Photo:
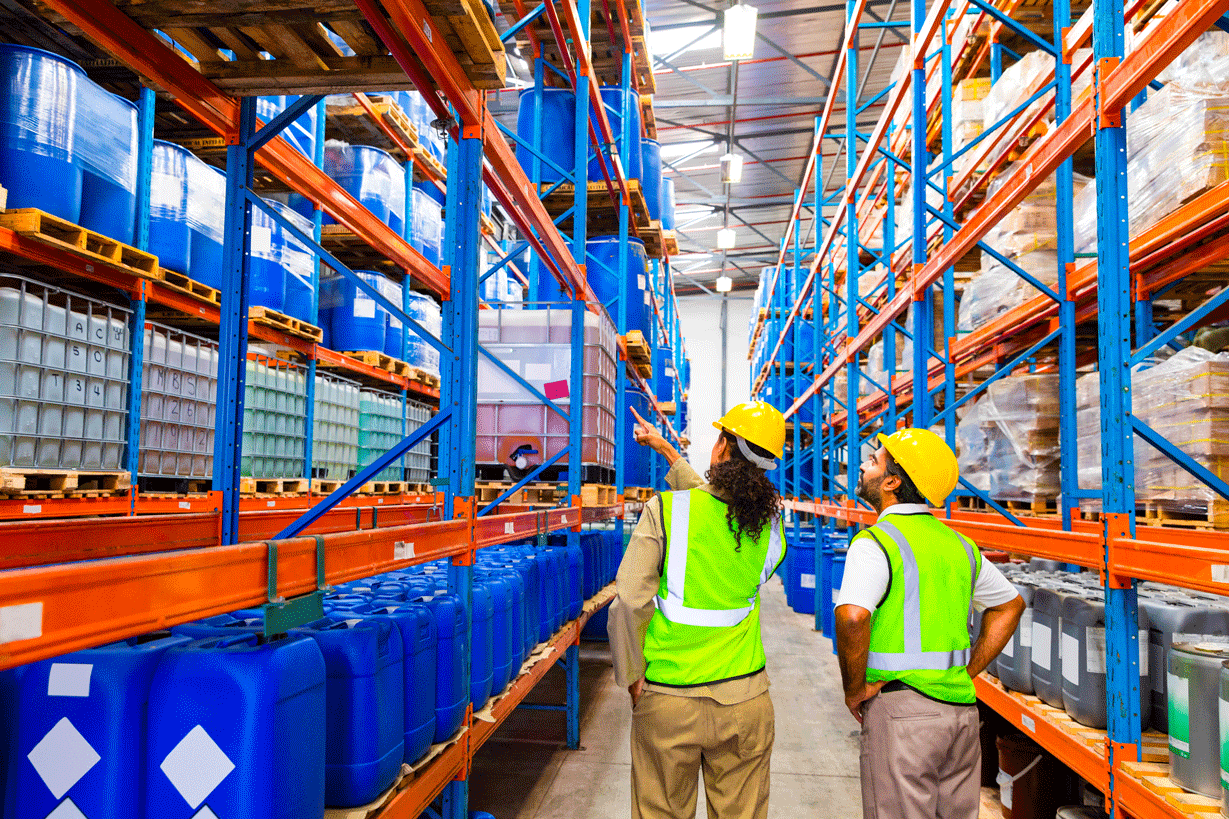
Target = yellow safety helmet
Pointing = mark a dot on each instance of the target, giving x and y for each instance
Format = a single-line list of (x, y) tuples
[(759, 423), (927, 460)]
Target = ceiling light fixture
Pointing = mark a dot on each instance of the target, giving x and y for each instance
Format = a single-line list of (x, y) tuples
[(724, 284), (726, 239), (738, 32), (731, 168)]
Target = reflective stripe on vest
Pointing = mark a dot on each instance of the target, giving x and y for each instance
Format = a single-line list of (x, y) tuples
[(672, 606), (913, 658)]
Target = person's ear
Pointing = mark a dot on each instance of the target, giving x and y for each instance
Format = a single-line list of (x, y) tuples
[(890, 483)]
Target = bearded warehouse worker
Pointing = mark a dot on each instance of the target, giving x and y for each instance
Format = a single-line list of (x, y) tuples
[(685, 625), (902, 636)]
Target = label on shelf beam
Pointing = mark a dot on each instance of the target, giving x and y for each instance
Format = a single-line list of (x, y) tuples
[(1029, 723), (21, 622), (32, 509), (509, 527), (1220, 573), (403, 550)]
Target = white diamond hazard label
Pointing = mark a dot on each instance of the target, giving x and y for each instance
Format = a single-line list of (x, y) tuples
[(66, 810), (196, 766), (205, 813), (62, 757)]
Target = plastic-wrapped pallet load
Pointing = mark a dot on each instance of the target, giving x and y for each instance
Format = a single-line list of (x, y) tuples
[(274, 419), (1088, 428), (1013, 89), (1186, 405), (335, 426), (968, 118), (1009, 439)]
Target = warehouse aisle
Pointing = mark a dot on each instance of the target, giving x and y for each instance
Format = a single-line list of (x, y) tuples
[(524, 772)]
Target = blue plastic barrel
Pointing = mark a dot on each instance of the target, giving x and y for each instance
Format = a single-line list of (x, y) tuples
[(667, 203), (482, 656), (365, 691), (801, 590), (614, 98), (266, 276), (636, 458), (38, 160), (356, 321), (427, 226), (237, 724), (434, 191), (605, 277), (558, 132), (370, 175), (77, 729), (426, 312), (301, 134), (298, 265), (206, 217), (651, 175), (395, 332), (451, 690), (169, 235), (106, 147), (663, 374), (416, 625)]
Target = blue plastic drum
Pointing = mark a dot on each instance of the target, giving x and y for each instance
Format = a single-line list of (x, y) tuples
[(667, 203), (356, 321), (651, 176), (266, 276), (38, 160), (427, 225), (605, 278), (169, 235), (419, 353), (557, 139), (614, 97), (395, 334), (299, 267), (106, 146), (206, 216)]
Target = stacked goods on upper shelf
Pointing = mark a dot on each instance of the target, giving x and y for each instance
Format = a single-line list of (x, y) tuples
[(968, 119), (515, 429), (1028, 236), (355, 322), (1009, 439)]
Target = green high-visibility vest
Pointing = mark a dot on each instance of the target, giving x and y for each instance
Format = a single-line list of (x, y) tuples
[(920, 632), (706, 627)]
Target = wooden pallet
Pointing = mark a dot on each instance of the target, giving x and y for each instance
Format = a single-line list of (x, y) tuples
[(374, 358), (62, 483), (382, 488), (159, 486), (534, 494), (648, 116), (287, 324), (52, 230), (191, 287), (488, 225), (351, 123), (639, 353), (353, 251), (671, 241), (602, 212), (1215, 515), (424, 158), (597, 494), (470, 33), (638, 494), (326, 486), (274, 486), (1155, 777), (654, 244), (421, 376)]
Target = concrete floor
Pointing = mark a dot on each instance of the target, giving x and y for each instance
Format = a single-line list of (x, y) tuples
[(525, 772)]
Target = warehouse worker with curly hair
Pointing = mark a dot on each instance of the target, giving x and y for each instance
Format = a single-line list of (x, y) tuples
[(685, 626)]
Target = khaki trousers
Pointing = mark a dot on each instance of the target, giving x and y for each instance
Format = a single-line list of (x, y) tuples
[(921, 759), (674, 738)]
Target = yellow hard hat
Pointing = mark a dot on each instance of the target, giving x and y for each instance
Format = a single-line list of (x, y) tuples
[(758, 422), (927, 460)]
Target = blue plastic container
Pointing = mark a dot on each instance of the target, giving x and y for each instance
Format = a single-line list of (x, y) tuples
[(237, 724), (78, 729), (418, 352), (516, 626), (801, 589), (206, 217), (218, 625), (416, 625), (427, 224), (451, 691), (651, 175), (482, 647), (558, 138), (527, 566), (298, 263), (356, 321), (667, 203), (106, 148), (266, 276), (301, 134), (169, 235), (663, 374), (503, 653), (434, 192), (38, 160), (574, 579), (370, 175), (605, 278), (394, 334), (365, 692), (614, 98)]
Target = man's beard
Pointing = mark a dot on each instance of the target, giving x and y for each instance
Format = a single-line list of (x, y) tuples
[(867, 492)]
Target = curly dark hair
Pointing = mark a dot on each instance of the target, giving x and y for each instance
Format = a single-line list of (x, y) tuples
[(751, 499)]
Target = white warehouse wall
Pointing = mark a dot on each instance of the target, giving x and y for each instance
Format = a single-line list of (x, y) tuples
[(700, 320)]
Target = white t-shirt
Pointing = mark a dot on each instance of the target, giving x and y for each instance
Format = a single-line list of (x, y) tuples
[(867, 572)]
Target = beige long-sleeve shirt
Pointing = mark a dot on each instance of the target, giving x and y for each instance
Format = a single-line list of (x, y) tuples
[(637, 584)]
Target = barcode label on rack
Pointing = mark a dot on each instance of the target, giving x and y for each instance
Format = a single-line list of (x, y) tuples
[(185, 505), (32, 509), (1220, 573), (21, 622), (1029, 723), (403, 550), (509, 528)]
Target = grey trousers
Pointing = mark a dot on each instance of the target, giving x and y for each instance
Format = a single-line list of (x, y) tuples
[(921, 759)]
